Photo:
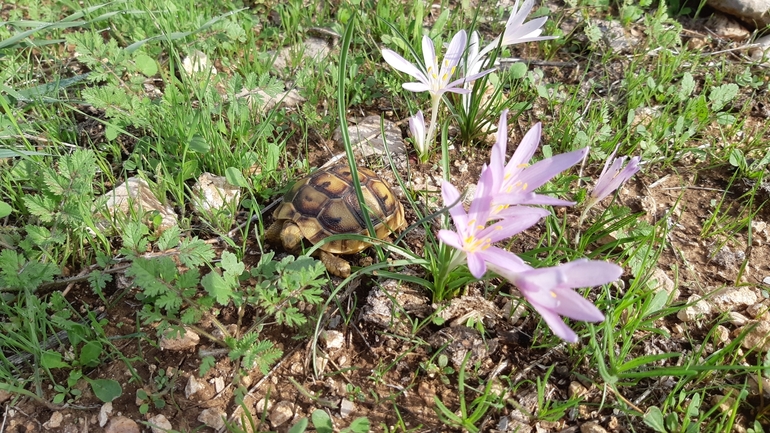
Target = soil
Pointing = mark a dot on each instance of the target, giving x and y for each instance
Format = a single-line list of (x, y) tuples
[(381, 366)]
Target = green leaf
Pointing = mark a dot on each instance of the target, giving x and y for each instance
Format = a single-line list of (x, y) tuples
[(232, 266), (5, 209), (51, 359), (105, 390), (322, 422), (199, 144), (217, 287), (654, 419), (235, 177), (146, 65), (300, 426), (90, 353), (359, 425), (722, 95)]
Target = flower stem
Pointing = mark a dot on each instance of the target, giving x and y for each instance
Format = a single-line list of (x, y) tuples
[(431, 137)]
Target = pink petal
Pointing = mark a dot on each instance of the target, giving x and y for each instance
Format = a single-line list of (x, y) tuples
[(574, 306), (589, 273), (454, 52), (451, 238), (505, 263), (536, 175), (557, 325), (451, 197), (476, 265), (526, 150)]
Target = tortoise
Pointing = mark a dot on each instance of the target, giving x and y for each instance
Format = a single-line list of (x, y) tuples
[(324, 203)]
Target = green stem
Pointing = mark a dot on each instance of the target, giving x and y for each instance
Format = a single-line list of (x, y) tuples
[(431, 137)]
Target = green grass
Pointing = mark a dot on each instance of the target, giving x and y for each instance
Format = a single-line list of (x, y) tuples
[(94, 93)]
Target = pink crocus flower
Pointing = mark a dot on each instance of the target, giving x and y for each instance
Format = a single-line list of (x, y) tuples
[(550, 291), (519, 179), (478, 229), (613, 176)]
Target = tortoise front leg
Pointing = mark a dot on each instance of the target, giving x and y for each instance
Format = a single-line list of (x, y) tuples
[(335, 265)]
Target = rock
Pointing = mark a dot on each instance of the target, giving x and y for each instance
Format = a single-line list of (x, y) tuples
[(727, 28), (659, 280), (282, 412), (197, 63), (261, 101), (722, 334), (175, 342), (159, 424), (193, 386), (614, 35), (55, 421), (4, 395), (755, 12), (213, 197), (469, 307), (737, 319), (366, 137), (313, 51), (379, 308), (121, 424), (346, 408), (104, 414), (699, 308), (758, 310), (260, 406), (592, 427), (758, 337), (134, 197), (219, 384), (333, 339), (766, 281), (732, 298), (213, 417), (577, 390)]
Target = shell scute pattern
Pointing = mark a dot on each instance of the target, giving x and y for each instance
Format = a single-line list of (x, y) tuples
[(325, 203)]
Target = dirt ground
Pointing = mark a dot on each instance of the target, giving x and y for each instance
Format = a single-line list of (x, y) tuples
[(374, 364)]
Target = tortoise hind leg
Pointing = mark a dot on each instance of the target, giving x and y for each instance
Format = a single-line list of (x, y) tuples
[(273, 233), (335, 265)]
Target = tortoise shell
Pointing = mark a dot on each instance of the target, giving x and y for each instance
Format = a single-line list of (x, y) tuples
[(325, 203)]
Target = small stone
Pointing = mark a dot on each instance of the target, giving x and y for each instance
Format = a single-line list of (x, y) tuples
[(727, 27), (198, 63), (366, 137), (577, 390), (282, 412), (213, 196), (333, 339), (219, 384), (698, 309), (4, 395), (346, 408), (751, 11), (260, 406), (766, 280), (159, 424), (758, 336), (104, 414), (734, 297), (193, 386), (737, 319), (659, 280), (758, 310), (213, 417), (175, 342), (724, 403), (55, 421), (592, 427), (722, 334), (134, 197), (121, 424)]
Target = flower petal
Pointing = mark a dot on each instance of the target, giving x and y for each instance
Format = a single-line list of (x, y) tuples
[(505, 263), (557, 325), (589, 273), (574, 306), (416, 87), (536, 175), (476, 265), (401, 64), (451, 238)]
